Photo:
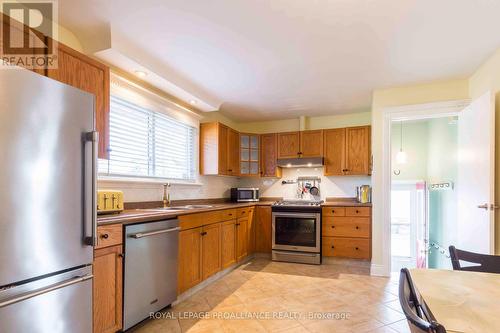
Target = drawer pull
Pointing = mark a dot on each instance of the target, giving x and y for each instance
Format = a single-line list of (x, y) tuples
[(243, 212), (333, 247), (333, 227), (357, 248), (237, 224), (357, 227), (230, 214), (104, 236), (333, 211), (357, 211)]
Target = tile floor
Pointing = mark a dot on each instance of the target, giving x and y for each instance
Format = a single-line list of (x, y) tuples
[(266, 296)]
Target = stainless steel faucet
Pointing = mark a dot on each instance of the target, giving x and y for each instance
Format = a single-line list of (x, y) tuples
[(166, 195)]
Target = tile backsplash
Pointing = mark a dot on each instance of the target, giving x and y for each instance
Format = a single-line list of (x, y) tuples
[(211, 187)]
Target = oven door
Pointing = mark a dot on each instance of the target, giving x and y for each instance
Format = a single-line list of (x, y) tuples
[(296, 231)]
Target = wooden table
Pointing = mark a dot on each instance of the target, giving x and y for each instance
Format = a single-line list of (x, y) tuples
[(461, 301)]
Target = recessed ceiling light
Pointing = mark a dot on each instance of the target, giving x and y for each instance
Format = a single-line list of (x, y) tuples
[(141, 73), (193, 102)]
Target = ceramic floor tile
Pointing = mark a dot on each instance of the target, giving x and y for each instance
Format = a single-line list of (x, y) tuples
[(400, 326), (339, 297)]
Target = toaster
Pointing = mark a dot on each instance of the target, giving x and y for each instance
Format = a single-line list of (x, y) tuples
[(109, 201)]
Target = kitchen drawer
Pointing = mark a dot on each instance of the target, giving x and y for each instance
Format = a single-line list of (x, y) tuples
[(191, 221), (355, 248), (358, 211), (228, 214), (109, 235), (244, 212), (333, 211), (346, 226)]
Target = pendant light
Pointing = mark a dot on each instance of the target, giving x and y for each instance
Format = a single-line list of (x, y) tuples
[(401, 155)]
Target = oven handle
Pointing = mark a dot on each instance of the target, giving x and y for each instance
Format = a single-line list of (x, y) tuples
[(284, 214), (298, 253)]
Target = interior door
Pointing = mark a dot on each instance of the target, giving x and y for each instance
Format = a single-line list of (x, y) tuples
[(476, 176)]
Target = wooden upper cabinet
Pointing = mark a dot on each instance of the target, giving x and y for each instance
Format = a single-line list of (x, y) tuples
[(249, 154), (211, 247), (223, 150), (219, 150), (107, 289), (233, 151), (269, 155), (311, 143), (358, 150), (347, 151), (87, 74), (334, 140), (288, 145)]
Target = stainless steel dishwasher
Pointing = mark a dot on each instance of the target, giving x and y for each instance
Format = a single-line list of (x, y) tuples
[(150, 277)]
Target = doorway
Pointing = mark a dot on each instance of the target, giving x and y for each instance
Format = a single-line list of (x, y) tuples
[(473, 186)]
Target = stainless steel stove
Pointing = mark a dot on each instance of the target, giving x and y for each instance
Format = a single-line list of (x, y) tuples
[(297, 231)]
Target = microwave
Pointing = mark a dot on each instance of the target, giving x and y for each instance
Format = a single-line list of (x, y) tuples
[(244, 194)]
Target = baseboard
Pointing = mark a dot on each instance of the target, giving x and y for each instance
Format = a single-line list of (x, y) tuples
[(379, 270)]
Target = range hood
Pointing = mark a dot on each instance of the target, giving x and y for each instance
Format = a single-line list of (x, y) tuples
[(305, 162)]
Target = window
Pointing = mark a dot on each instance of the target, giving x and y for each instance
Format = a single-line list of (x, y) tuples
[(145, 143)]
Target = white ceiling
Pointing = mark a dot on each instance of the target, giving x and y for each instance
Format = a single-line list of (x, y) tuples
[(279, 59)]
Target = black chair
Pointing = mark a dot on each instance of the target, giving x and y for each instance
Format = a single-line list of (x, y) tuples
[(418, 315), (484, 262)]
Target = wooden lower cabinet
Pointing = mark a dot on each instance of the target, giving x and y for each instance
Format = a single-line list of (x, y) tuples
[(251, 230), (107, 289), (190, 262), (228, 252), (241, 238), (211, 249), (263, 229), (346, 232)]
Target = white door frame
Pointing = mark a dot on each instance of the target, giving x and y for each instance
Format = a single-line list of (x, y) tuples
[(390, 114)]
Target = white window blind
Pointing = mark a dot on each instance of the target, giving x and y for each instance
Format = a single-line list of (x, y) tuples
[(145, 143)]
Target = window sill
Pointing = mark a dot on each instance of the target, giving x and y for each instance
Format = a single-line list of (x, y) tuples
[(124, 179)]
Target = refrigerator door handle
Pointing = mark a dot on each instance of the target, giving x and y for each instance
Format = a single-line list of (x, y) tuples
[(92, 137), (45, 290)]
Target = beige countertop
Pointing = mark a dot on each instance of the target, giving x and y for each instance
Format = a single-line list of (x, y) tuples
[(461, 301), (130, 216)]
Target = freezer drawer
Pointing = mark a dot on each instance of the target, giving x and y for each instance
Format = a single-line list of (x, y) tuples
[(150, 282), (60, 303)]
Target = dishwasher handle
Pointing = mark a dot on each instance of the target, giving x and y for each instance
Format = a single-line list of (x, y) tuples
[(152, 233)]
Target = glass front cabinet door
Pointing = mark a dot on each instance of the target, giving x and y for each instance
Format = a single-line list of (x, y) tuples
[(249, 154)]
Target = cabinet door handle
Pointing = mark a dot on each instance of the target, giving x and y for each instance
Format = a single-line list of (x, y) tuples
[(237, 224), (104, 236), (203, 233), (120, 255), (357, 248), (333, 247), (333, 227), (357, 211), (357, 227)]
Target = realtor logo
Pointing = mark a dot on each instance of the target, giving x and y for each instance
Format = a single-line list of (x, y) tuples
[(29, 34)]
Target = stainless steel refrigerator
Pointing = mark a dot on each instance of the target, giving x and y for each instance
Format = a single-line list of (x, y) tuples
[(47, 204)]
